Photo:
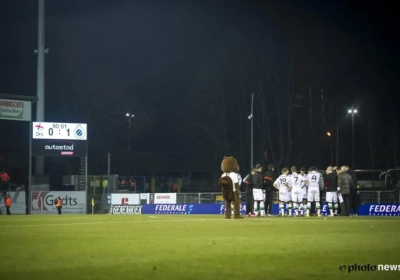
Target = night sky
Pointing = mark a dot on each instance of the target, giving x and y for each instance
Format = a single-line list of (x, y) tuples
[(107, 58)]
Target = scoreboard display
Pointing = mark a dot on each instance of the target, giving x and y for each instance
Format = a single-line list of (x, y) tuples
[(59, 131), (59, 139)]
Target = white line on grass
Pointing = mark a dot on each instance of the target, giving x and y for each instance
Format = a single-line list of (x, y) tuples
[(171, 220), (114, 222)]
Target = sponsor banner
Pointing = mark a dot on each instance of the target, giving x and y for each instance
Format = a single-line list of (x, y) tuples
[(165, 198), (126, 209), (363, 210), (187, 209), (68, 148), (125, 199), (143, 196), (15, 110), (43, 202), (18, 205), (379, 209)]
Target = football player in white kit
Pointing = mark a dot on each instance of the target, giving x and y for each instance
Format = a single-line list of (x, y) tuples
[(303, 204), (281, 184), (296, 183), (315, 183)]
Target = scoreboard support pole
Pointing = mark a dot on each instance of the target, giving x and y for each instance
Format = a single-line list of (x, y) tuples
[(30, 170)]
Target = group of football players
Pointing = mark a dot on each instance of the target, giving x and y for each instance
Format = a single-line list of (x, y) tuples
[(296, 192), (299, 190)]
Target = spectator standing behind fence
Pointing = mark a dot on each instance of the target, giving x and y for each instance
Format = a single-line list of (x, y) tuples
[(344, 185), (8, 204), (59, 205), (4, 180)]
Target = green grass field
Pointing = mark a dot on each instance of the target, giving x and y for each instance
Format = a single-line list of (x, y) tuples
[(195, 247)]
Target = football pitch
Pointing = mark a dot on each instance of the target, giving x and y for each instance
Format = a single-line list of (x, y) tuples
[(197, 247)]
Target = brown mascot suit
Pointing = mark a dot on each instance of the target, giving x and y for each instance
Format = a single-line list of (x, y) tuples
[(230, 183)]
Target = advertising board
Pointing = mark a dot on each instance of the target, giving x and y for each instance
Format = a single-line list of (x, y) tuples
[(15, 110), (163, 198), (18, 206), (125, 199), (187, 209), (126, 209), (215, 209), (67, 148), (379, 210), (43, 202)]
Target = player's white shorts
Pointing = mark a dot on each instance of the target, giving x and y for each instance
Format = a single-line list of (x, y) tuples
[(258, 195), (313, 194), (331, 197), (284, 196), (297, 195), (264, 194), (304, 191)]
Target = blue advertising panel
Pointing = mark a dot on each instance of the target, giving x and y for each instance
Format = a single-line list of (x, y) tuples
[(215, 209), (379, 210), (187, 209)]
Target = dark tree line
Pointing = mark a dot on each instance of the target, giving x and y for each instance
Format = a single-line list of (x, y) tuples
[(292, 114)]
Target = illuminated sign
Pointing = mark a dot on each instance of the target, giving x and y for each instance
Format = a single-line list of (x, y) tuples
[(59, 131)]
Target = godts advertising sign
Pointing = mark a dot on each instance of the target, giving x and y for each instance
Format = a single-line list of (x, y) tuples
[(15, 110), (44, 202)]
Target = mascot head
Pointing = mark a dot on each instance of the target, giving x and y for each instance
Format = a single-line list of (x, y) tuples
[(229, 164)]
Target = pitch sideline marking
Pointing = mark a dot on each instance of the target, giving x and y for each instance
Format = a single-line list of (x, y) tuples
[(152, 221)]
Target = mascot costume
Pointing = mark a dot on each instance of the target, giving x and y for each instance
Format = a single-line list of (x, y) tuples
[(230, 182)]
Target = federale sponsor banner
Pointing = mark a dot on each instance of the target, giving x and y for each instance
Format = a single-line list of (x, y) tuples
[(379, 210), (186, 209), (363, 210), (165, 198), (215, 209), (125, 199), (18, 206), (15, 110), (126, 209), (43, 202)]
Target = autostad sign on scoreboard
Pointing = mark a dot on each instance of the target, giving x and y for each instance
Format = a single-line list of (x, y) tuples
[(46, 147)]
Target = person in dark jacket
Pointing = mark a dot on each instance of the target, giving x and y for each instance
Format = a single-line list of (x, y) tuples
[(344, 186), (248, 180), (338, 170), (268, 181), (354, 199), (331, 191), (258, 195)]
